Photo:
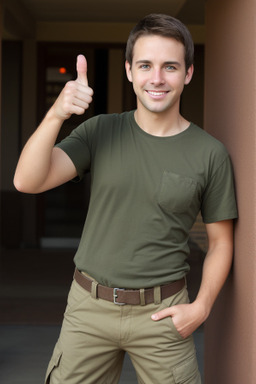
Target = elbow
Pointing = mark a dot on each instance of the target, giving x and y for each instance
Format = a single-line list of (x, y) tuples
[(21, 186), (17, 183)]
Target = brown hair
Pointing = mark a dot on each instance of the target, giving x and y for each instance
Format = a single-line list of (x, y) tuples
[(163, 25)]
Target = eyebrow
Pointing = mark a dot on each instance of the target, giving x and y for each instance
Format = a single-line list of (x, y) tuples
[(165, 63)]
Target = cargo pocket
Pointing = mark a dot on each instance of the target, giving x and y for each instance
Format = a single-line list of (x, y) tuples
[(187, 372), (53, 371)]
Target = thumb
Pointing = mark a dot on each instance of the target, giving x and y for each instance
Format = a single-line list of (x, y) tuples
[(162, 314), (81, 68)]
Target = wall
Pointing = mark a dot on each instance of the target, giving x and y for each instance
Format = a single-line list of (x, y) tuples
[(97, 32), (230, 115), (1, 23), (10, 140)]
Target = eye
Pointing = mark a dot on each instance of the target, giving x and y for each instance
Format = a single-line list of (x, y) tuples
[(144, 66), (170, 68)]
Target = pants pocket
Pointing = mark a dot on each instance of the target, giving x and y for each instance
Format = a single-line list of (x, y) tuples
[(77, 297), (53, 370), (179, 298), (174, 329), (187, 372)]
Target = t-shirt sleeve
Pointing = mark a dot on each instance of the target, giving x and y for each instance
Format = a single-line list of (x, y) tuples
[(219, 202), (77, 147)]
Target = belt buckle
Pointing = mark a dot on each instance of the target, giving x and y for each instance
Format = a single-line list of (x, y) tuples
[(115, 296)]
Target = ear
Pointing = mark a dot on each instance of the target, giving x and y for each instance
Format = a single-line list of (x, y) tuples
[(128, 71), (189, 74)]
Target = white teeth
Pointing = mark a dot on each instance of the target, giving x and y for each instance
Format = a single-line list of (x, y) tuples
[(156, 93)]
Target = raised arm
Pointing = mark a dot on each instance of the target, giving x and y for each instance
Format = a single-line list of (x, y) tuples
[(188, 317), (41, 166)]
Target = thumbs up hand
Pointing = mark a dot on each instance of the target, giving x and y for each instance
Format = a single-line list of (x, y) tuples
[(76, 96)]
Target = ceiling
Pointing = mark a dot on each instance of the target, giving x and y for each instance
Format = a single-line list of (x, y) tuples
[(189, 11)]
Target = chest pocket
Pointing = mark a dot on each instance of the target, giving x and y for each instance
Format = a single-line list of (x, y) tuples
[(176, 192)]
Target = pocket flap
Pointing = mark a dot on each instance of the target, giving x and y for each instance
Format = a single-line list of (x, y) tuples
[(186, 370), (54, 362)]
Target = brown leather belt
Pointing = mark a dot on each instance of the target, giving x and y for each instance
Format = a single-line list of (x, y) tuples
[(127, 296)]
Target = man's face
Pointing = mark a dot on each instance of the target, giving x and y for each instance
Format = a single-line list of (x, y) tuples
[(158, 73)]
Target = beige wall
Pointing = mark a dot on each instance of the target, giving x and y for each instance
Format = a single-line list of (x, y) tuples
[(230, 115)]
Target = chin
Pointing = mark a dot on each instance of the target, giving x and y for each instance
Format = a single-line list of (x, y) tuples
[(159, 110)]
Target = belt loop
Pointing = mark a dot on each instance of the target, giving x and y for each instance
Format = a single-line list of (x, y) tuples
[(94, 290), (142, 296), (157, 295)]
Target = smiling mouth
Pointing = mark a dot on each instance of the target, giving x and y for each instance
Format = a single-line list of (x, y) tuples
[(157, 93)]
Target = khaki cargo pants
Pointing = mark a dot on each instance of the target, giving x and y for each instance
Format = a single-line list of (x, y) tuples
[(96, 334)]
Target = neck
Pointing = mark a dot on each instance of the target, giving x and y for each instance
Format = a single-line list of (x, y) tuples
[(160, 124)]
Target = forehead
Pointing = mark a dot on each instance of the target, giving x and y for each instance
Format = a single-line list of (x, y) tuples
[(152, 47)]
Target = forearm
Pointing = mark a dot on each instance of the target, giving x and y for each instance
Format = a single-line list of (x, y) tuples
[(215, 271), (35, 160)]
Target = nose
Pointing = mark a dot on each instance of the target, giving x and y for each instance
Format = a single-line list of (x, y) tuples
[(157, 76)]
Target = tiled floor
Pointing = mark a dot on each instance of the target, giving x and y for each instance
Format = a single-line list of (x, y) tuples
[(25, 352)]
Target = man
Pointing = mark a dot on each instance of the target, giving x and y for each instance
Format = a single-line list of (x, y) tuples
[(152, 171)]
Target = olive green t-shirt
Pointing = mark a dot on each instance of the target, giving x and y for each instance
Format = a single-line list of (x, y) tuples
[(146, 192)]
